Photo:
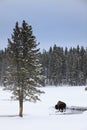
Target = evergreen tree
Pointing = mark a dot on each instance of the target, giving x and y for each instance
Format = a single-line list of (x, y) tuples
[(44, 62), (23, 74), (58, 65), (50, 67), (83, 66), (67, 66), (3, 64), (1, 61)]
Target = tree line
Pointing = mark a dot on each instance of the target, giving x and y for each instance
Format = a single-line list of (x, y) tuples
[(64, 66), (59, 66)]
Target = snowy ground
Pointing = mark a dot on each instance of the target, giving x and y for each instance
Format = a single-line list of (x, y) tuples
[(42, 115)]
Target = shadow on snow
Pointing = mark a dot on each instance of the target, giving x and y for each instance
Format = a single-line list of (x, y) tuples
[(69, 110), (9, 116)]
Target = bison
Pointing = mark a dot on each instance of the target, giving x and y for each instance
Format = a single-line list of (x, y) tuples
[(86, 88), (61, 106)]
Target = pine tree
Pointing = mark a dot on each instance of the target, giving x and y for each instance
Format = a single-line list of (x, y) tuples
[(3, 64), (23, 74), (67, 66)]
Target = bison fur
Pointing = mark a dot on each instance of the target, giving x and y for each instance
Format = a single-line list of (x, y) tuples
[(61, 106)]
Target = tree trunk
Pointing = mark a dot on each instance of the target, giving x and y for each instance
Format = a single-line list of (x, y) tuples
[(21, 108)]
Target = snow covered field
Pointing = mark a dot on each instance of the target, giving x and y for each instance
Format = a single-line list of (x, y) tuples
[(42, 115)]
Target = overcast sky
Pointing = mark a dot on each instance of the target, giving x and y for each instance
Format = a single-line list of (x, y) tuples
[(61, 22)]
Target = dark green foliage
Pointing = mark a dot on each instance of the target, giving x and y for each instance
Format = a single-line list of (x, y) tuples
[(60, 66), (3, 65), (23, 74), (65, 66)]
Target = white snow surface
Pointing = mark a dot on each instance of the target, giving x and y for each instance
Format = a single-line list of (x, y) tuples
[(42, 115)]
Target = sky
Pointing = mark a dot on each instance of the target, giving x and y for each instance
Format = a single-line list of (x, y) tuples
[(60, 22)]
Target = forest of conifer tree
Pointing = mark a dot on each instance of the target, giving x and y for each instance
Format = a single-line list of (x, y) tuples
[(60, 66), (64, 66)]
